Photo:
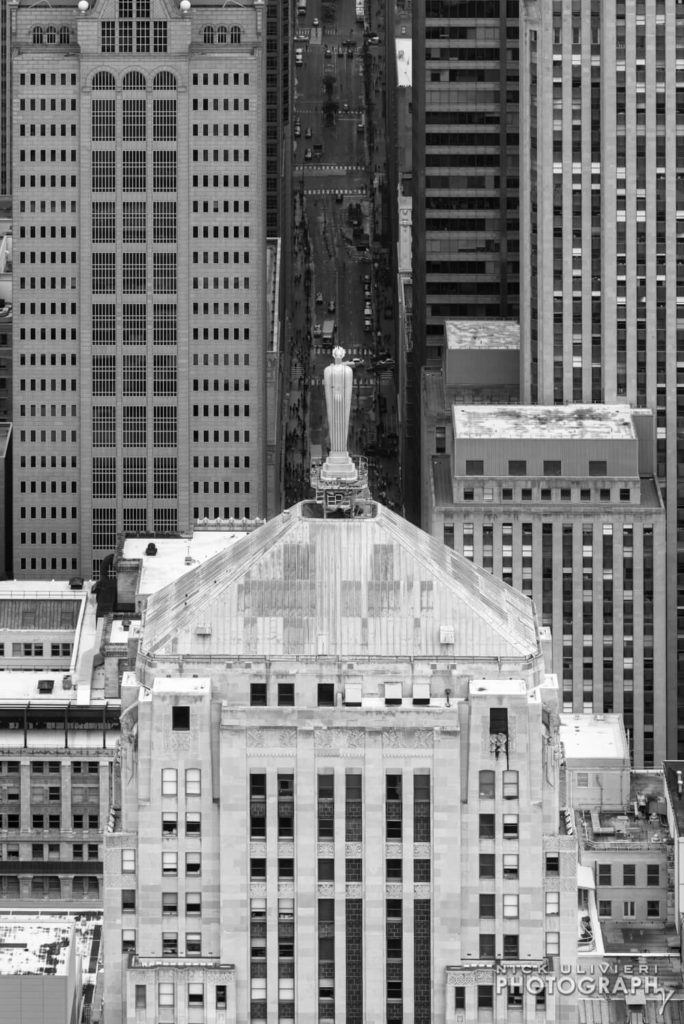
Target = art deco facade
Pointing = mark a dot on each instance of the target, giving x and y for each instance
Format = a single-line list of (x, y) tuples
[(139, 273), (602, 277), (561, 503), (340, 787)]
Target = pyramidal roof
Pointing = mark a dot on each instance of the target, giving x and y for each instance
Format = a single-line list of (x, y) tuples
[(372, 586)]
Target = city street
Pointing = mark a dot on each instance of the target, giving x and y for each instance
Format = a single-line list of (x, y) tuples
[(337, 262)]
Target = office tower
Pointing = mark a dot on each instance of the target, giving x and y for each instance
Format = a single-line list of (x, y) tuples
[(465, 174), (279, 28), (562, 503), (139, 273), (339, 786), (601, 269), (6, 10)]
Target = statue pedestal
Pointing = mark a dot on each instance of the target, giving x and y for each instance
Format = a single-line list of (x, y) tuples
[(339, 466)]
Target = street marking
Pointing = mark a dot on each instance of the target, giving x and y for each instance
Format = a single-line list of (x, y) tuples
[(335, 191), (325, 168)]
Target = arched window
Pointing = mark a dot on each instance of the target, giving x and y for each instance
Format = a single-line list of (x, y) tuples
[(164, 80), (64, 35), (235, 34), (103, 80), (222, 34), (134, 80), (208, 34), (37, 34), (51, 34)]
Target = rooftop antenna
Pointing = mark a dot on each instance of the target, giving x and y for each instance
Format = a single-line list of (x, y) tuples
[(340, 482)]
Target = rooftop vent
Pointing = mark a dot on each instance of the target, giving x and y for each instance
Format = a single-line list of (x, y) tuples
[(46, 685), (353, 695), (125, 625), (421, 693), (392, 694), (76, 583), (67, 682), (151, 549), (203, 630)]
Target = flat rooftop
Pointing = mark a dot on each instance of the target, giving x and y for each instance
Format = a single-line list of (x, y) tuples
[(494, 334), (35, 947), (175, 555), (597, 740), (494, 687), (542, 422), (404, 47)]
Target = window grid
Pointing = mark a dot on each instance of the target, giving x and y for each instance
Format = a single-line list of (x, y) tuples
[(104, 323), (134, 375), (135, 477), (134, 426), (165, 477), (134, 228)]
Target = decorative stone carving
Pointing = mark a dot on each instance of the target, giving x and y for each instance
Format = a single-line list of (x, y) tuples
[(394, 851), (405, 739), (470, 977), (332, 740), (257, 849), (394, 890), (421, 890), (285, 849), (353, 850), (421, 851), (271, 738), (286, 888), (176, 742), (326, 849), (326, 890), (257, 889), (354, 890)]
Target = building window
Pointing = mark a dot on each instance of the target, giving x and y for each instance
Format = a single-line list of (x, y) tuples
[(169, 903), (487, 949), (652, 908), (459, 997), (604, 874), (169, 823), (487, 784), (141, 997), (127, 861), (393, 806), (629, 874), (598, 467), (486, 826), (487, 865), (193, 782), (552, 943), (474, 467), (553, 903), (510, 826), (104, 171), (128, 940), (552, 467), (193, 823), (487, 905), (653, 874), (510, 785), (440, 440), (169, 864), (628, 909), (169, 778), (511, 947), (221, 997), (510, 865), (510, 905), (605, 908), (166, 993), (485, 997), (582, 779), (517, 467)]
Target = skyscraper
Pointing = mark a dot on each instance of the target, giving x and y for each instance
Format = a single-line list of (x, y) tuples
[(602, 274), (139, 273), (465, 174)]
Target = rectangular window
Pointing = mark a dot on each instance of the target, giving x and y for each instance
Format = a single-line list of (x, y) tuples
[(487, 906), (169, 903), (629, 874), (164, 423), (459, 997), (553, 903), (104, 222), (511, 947), (134, 323), (474, 467), (164, 324), (134, 222), (164, 119), (134, 375), (141, 997), (169, 823), (628, 909), (487, 784), (166, 994), (193, 823), (164, 264), (510, 904), (127, 861), (103, 276), (652, 908), (487, 865), (128, 940), (421, 807), (605, 908), (193, 782), (487, 950), (170, 863), (510, 865), (510, 785), (510, 826), (104, 323), (552, 943), (164, 222), (485, 997), (598, 467), (653, 874), (134, 170), (134, 276), (164, 170), (552, 467), (393, 806), (517, 467), (169, 784), (134, 120), (104, 375), (104, 171), (486, 826)]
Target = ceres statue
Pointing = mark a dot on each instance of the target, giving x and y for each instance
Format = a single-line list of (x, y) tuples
[(339, 380)]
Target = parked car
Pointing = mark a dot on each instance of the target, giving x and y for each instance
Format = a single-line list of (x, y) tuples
[(331, 306), (299, 57), (368, 324), (319, 298), (307, 133), (368, 309), (316, 23), (327, 52), (317, 331), (297, 130), (366, 279), (308, 155)]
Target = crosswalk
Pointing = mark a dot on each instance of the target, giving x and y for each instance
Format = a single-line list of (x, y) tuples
[(350, 353), (335, 191), (329, 168)]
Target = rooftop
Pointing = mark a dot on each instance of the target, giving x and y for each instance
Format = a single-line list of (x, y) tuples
[(404, 47), (674, 783), (175, 556), (306, 586), (544, 421), (493, 334), (35, 947), (622, 831), (593, 740)]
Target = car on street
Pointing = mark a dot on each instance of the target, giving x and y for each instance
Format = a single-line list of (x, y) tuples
[(297, 129), (368, 309), (319, 298), (327, 52), (317, 330), (368, 324), (315, 23), (366, 291), (374, 39), (307, 133), (331, 306), (366, 279), (299, 56), (308, 155)]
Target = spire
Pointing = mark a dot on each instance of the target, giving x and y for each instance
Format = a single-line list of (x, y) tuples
[(339, 380)]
